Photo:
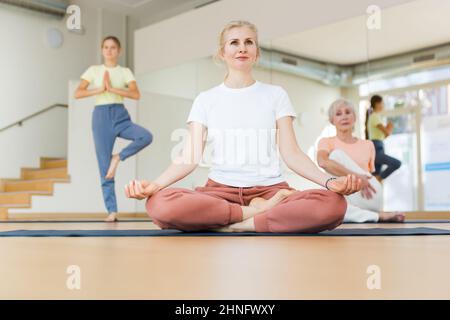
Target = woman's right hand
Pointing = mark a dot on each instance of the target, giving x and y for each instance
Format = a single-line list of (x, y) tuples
[(105, 81), (367, 190), (141, 189)]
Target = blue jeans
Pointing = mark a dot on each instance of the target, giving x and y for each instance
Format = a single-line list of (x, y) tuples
[(110, 121), (382, 158)]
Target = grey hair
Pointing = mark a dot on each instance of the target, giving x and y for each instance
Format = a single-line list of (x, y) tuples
[(336, 104)]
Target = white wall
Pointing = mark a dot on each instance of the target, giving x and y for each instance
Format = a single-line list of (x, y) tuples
[(44, 135), (35, 76), (113, 23), (83, 194), (168, 98)]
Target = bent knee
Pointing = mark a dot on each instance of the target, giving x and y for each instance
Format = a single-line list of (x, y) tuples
[(147, 138), (162, 207), (334, 207)]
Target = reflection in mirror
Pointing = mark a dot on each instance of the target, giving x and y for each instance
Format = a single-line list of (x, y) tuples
[(410, 70), (376, 53), (372, 53)]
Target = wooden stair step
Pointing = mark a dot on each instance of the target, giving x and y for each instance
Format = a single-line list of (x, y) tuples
[(3, 213), (52, 158), (7, 206), (33, 173), (43, 169), (29, 185), (26, 192), (53, 163), (23, 198), (15, 198), (54, 180), (32, 184)]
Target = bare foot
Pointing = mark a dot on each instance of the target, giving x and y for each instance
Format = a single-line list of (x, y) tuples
[(391, 217), (115, 159), (224, 229), (256, 206), (243, 226), (112, 217), (263, 204)]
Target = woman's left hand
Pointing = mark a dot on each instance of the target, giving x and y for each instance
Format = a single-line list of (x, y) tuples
[(345, 185)]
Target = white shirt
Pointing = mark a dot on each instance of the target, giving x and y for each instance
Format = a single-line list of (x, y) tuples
[(241, 127)]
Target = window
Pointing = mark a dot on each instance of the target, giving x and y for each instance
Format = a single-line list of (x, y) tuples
[(421, 119)]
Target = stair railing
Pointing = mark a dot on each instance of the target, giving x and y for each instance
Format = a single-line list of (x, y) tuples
[(21, 121)]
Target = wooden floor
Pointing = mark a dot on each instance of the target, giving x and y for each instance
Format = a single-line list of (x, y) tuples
[(412, 267)]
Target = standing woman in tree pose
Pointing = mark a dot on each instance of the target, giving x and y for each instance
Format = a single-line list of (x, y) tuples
[(111, 84), (245, 190), (377, 131)]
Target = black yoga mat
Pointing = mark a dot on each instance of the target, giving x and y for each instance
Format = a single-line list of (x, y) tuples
[(149, 220), (74, 221), (177, 233), (407, 221)]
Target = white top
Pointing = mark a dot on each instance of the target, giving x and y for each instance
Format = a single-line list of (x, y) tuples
[(242, 132)]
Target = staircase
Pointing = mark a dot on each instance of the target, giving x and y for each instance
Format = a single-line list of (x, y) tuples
[(18, 193)]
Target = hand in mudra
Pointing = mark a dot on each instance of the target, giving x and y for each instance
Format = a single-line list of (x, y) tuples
[(102, 88), (345, 185), (107, 81), (141, 189)]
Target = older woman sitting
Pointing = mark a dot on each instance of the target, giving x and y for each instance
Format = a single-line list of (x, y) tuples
[(345, 154)]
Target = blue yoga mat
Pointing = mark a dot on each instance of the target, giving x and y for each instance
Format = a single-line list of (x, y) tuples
[(177, 233)]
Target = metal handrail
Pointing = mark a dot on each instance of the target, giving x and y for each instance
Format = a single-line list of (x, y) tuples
[(20, 122)]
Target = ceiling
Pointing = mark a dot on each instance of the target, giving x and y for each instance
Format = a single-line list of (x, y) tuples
[(151, 11), (404, 28), (132, 3)]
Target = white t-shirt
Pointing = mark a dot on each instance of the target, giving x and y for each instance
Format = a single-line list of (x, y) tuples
[(242, 132)]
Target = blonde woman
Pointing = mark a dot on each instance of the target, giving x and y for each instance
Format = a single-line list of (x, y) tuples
[(245, 191)]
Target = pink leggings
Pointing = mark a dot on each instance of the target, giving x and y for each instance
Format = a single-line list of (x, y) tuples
[(216, 205)]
